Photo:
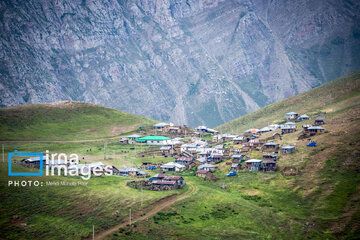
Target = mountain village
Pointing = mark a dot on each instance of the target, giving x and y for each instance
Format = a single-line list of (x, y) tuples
[(281, 171), (203, 151)]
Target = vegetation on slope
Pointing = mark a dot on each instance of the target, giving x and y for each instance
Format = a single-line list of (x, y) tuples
[(66, 121), (321, 201), (309, 102), (66, 211)]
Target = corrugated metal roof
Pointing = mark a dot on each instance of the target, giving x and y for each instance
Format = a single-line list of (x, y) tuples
[(288, 127), (153, 138), (271, 144), (34, 159), (206, 165), (239, 138), (160, 175), (268, 161), (287, 147), (183, 158), (253, 161), (172, 165), (134, 136), (316, 128), (165, 148), (201, 159), (162, 124)]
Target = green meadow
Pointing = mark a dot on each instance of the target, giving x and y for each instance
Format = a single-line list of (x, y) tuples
[(66, 212), (67, 121)]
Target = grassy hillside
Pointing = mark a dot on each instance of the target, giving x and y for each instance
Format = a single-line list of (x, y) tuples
[(318, 99), (66, 121), (321, 201), (66, 211)]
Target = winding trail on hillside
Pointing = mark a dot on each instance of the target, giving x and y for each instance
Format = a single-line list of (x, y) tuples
[(152, 210)]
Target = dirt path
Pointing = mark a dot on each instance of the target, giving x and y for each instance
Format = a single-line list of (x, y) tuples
[(150, 211)]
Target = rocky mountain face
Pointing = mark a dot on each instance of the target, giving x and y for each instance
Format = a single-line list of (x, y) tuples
[(184, 61)]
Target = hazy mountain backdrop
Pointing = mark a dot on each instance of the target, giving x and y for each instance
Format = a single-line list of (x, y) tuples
[(185, 61)]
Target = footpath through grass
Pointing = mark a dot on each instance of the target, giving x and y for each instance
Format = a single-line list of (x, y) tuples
[(66, 212)]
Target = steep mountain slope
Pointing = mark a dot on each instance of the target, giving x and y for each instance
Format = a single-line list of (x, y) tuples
[(185, 61), (66, 121), (340, 94)]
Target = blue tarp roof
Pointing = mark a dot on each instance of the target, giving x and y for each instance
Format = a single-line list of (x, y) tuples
[(312, 144)]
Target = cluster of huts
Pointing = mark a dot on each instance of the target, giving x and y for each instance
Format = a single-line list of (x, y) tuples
[(196, 153), (131, 172), (130, 139), (251, 141), (203, 130), (171, 129), (308, 129), (266, 164), (147, 140), (250, 137), (159, 182)]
